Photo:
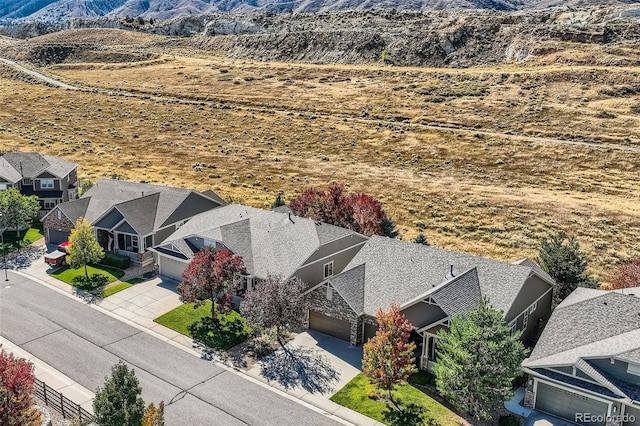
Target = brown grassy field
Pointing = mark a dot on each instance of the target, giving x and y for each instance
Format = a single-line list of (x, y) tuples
[(482, 160)]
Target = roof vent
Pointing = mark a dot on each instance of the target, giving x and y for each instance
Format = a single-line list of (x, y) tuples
[(450, 274)]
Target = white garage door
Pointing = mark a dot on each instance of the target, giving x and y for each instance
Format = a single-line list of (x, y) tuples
[(171, 268)]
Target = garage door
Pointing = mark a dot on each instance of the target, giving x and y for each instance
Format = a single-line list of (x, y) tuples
[(57, 237), (564, 404), (171, 268), (635, 412), (328, 325), (369, 332)]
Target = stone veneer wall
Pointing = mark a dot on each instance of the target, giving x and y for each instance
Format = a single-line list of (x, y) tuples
[(52, 222), (336, 308)]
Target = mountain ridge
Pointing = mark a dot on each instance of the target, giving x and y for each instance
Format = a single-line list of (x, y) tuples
[(58, 11)]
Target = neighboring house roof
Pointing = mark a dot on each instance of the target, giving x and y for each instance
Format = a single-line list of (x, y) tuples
[(7, 172), (144, 206), (33, 164), (282, 209), (588, 324), (269, 242), (400, 271)]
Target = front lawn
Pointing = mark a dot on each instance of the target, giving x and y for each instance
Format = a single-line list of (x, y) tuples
[(355, 395), (184, 319), (67, 274), (28, 236), (111, 290)]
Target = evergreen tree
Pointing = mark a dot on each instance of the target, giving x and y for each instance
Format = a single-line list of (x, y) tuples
[(421, 239), (118, 402), (477, 360), (278, 201)]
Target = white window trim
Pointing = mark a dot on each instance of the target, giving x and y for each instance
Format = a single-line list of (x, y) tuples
[(324, 270), (329, 292), (525, 320), (533, 307), (4, 186), (47, 186), (633, 369), (513, 326)]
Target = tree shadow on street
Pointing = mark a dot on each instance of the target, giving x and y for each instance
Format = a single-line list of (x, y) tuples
[(293, 367)]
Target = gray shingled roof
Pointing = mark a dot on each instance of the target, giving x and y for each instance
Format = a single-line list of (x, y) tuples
[(32, 164), (605, 325), (7, 172), (399, 271), (269, 242), (537, 269), (145, 207), (460, 294), (350, 285)]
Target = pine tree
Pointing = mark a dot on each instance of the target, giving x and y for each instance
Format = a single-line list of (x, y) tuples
[(421, 239), (477, 360), (118, 402)]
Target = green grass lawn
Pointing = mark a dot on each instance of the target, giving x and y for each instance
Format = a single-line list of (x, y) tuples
[(233, 327), (27, 235), (67, 274), (354, 395), (134, 281), (114, 289)]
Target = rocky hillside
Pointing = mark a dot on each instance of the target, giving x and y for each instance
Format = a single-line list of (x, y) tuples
[(59, 11)]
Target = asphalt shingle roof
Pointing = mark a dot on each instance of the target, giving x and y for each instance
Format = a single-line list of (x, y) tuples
[(589, 323), (32, 164), (399, 271), (350, 285), (8, 172), (460, 294), (577, 382), (268, 241), (146, 207)]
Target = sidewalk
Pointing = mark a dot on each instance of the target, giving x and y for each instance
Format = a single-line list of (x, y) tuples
[(129, 310), (53, 378)]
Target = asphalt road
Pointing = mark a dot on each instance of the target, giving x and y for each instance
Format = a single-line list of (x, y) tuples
[(84, 343)]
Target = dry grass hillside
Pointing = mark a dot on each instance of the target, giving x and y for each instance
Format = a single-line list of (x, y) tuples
[(485, 160)]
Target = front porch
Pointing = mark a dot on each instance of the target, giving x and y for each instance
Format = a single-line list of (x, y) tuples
[(125, 245)]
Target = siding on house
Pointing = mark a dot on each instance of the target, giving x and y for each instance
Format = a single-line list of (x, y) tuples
[(422, 314), (53, 223), (163, 234), (618, 369), (312, 274), (336, 308)]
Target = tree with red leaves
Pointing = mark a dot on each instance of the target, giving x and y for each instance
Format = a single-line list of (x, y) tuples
[(359, 212), (16, 386), (627, 275), (210, 276), (388, 357), (276, 303)]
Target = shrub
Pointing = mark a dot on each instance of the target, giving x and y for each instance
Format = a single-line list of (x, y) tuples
[(94, 281), (263, 346), (230, 330), (509, 420), (116, 260)]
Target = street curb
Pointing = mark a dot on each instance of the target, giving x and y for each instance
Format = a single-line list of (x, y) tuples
[(237, 372)]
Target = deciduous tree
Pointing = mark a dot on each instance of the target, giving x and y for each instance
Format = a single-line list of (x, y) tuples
[(18, 211), (210, 276), (561, 257), (627, 275), (84, 248), (118, 402), (359, 212), (16, 387), (477, 360), (276, 303), (388, 357), (154, 416)]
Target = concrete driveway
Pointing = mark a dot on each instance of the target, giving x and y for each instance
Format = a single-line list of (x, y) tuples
[(536, 418), (144, 302)]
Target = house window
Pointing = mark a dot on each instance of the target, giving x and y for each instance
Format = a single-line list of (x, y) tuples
[(328, 270), (512, 326), (633, 369), (329, 293), (50, 204), (59, 215), (431, 348), (148, 242), (533, 307), (525, 320), (27, 181), (46, 183), (3, 186), (128, 242)]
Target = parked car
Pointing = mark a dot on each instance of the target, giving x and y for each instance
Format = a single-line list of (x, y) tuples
[(59, 256)]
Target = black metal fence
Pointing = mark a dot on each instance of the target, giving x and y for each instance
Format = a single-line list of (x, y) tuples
[(60, 403)]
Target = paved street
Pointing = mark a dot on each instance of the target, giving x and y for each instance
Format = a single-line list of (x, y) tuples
[(84, 343)]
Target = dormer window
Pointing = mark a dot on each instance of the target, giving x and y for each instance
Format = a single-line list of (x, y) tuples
[(328, 270), (46, 183)]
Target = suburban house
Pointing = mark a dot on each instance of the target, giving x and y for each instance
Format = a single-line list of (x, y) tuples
[(53, 180), (431, 286), (587, 361), (269, 242), (128, 217)]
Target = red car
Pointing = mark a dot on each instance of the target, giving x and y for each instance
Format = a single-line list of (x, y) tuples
[(58, 257)]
